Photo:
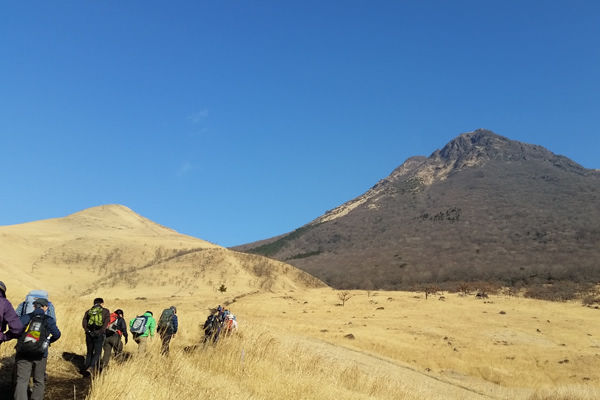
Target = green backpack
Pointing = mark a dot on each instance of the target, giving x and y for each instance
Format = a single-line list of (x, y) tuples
[(165, 323), (95, 317)]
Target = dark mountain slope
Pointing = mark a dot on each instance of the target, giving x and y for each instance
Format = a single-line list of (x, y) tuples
[(482, 208)]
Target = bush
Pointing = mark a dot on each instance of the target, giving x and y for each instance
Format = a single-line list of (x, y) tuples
[(590, 300), (558, 291)]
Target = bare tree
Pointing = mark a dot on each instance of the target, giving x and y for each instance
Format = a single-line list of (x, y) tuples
[(344, 296), (430, 289), (464, 288)]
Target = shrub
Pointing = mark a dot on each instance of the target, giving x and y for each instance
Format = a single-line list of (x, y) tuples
[(344, 296), (558, 291), (590, 300)]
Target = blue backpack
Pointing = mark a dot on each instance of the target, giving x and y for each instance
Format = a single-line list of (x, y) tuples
[(138, 325), (26, 307)]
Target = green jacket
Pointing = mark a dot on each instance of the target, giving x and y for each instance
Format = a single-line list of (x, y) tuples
[(150, 325)]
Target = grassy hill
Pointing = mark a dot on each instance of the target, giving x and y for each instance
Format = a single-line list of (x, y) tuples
[(113, 249)]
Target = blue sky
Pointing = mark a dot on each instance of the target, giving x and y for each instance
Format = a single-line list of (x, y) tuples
[(234, 121)]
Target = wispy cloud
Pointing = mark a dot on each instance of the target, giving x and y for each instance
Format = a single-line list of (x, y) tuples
[(200, 131), (184, 168), (198, 116)]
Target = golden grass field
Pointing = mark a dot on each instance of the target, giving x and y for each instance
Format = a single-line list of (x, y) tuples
[(294, 345), (293, 339)]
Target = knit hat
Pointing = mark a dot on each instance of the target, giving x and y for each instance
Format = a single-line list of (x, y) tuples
[(40, 302)]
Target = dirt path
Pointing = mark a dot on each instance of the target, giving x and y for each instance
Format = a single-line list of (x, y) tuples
[(427, 385)]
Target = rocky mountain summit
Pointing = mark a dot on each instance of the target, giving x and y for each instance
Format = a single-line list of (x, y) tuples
[(483, 207)]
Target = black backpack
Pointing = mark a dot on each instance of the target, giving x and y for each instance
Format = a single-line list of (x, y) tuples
[(34, 341), (212, 325)]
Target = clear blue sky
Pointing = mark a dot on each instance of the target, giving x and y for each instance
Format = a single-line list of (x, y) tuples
[(234, 121)]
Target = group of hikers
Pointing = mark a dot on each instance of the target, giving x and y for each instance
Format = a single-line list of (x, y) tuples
[(220, 321), (104, 330), (33, 324)]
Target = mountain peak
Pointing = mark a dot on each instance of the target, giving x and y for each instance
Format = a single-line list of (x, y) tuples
[(112, 216), (106, 211), (483, 144), (481, 207), (467, 150)]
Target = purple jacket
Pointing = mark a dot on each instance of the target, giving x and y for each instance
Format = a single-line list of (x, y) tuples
[(10, 320)]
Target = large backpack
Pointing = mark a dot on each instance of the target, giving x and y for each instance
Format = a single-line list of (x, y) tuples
[(33, 341), (26, 306), (229, 324), (212, 327), (113, 324), (138, 327), (208, 325), (95, 319), (165, 323)]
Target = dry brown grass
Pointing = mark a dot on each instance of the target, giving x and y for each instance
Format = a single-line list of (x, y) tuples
[(293, 345)]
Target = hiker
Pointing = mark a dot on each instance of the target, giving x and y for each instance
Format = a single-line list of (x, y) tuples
[(142, 327), (8, 318), (27, 306), (116, 328), (212, 327), (167, 327), (95, 320), (230, 325), (32, 350)]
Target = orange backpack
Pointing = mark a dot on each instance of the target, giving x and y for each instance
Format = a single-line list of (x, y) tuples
[(113, 322)]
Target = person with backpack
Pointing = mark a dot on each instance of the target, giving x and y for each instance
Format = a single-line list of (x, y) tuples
[(10, 325), (167, 327), (230, 325), (32, 350), (116, 328), (95, 320), (142, 327), (27, 306), (212, 327)]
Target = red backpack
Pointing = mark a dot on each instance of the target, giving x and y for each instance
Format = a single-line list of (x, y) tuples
[(112, 324)]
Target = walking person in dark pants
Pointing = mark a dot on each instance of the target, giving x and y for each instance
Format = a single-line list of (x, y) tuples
[(112, 344), (167, 328), (32, 350), (95, 320)]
